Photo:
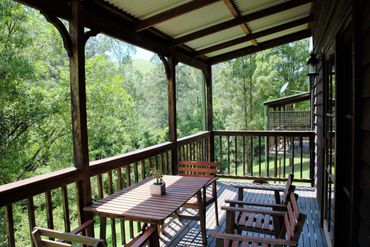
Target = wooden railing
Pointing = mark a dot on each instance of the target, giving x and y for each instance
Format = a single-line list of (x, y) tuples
[(239, 154), (41, 199), (267, 155), (194, 147)]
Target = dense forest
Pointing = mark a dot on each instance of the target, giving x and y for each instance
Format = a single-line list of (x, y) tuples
[(126, 98), (126, 104)]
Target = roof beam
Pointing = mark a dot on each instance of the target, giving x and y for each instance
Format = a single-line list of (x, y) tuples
[(239, 20), (265, 32), (172, 13), (235, 12), (261, 46), (109, 21)]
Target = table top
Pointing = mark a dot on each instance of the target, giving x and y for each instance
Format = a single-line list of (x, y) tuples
[(136, 203)]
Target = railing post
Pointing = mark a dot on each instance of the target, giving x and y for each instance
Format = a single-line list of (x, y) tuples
[(170, 67), (78, 98), (209, 116)]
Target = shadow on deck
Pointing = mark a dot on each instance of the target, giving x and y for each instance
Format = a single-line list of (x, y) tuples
[(187, 233)]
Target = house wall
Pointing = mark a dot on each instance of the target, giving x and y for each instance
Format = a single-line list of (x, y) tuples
[(363, 25), (329, 18)]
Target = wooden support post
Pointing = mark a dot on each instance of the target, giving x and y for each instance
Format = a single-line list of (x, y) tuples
[(170, 67), (79, 118), (209, 116)]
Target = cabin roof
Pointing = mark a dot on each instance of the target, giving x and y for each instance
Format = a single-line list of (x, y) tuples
[(199, 32), (288, 100)]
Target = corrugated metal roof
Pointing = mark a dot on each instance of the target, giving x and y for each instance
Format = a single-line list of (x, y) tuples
[(279, 18), (229, 49), (283, 33), (145, 9), (212, 14), (216, 38), (195, 20)]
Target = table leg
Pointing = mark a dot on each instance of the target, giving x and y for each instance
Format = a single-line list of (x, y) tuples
[(202, 218), (154, 239)]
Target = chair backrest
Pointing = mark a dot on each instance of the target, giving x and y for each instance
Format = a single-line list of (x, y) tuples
[(293, 219), (197, 168), (289, 188), (64, 238)]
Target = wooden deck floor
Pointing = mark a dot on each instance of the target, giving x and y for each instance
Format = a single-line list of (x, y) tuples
[(187, 233)]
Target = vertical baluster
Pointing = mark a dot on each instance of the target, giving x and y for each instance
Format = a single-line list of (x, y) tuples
[(187, 151), (113, 222), (102, 220), (243, 146), (136, 176), (221, 160), (276, 156), (162, 164), (150, 164), (236, 155), (179, 150), (267, 160), (120, 187), (156, 162), (301, 144), (292, 155), (128, 183), (10, 225), (168, 164), (143, 175), (284, 154), (251, 156), (31, 216), (49, 210), (67, 222), (136, 172), (259, 156), (228, 155)]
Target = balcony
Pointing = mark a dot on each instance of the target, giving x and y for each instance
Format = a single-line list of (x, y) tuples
[(240, 155)]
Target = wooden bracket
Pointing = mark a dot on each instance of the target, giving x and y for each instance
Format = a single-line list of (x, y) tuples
[(67, 41), (89, 34)]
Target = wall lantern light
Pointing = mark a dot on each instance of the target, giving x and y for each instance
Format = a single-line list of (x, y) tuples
[(312, 63)]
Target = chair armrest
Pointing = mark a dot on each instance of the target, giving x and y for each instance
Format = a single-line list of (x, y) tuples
[(271, 205), (82, 227), (69, 237), (141, 239), (249, 239), (253, 210), (258, 187)]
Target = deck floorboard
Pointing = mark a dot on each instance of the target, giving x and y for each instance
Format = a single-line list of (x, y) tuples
[(187, 233)]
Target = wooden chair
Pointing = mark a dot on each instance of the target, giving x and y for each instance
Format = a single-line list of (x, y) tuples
[(56, 238), (149, 235), (293, 225), (262, 219), (201, 169)]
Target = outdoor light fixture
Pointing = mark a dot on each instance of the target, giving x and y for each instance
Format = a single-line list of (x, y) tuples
[(312, 63)]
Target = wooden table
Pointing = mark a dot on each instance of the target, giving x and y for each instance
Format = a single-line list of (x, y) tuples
[(137, 204)]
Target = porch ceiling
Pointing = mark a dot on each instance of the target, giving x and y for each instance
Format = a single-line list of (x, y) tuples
[(210, 29), (198, 32)]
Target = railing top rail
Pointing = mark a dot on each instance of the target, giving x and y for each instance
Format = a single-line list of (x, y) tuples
[(29, 187), (107, 164), (192, 138), (264, 133)]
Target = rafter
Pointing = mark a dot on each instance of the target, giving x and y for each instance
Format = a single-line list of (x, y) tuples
[(261, 46), (235, 12), (172, 13), (239, 20), (265, 32)]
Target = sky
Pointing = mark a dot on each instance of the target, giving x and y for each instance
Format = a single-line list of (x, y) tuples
[(143, 54)]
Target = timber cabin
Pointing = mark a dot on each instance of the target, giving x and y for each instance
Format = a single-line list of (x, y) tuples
[(202, 33)]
